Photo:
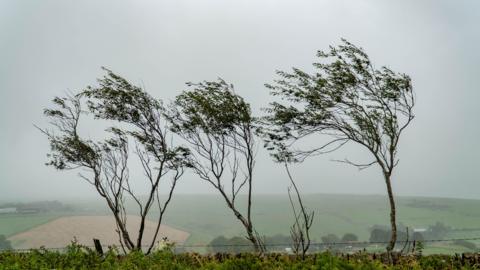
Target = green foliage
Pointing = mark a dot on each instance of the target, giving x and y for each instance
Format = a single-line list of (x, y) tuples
[(378, 235), (212, 107), (330, 238), (346, 98), (78, 257), (141, 118), (349, 237), (381, 234), (235, 245), (218, 126)]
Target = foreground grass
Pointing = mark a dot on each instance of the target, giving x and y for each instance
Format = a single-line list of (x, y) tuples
[(77, 257)]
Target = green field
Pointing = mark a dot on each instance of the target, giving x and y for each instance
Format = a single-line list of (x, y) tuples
[(11, 224), (206, 216)]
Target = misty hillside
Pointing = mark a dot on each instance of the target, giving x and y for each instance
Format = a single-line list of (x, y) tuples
[(205, 217)]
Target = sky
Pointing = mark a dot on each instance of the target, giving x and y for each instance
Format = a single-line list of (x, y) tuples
[(48, 48)]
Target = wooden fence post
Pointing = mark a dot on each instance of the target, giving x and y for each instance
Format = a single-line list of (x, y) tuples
[(98, 246)]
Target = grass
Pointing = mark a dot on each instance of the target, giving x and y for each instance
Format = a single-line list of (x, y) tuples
[(206, 217), (11, 224), (338, 214)]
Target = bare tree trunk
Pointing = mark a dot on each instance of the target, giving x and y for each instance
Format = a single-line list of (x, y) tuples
[(393, 223), (246, 222)]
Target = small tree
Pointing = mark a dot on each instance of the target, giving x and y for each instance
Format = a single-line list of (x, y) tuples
[(303, 220), (107, 161), (348, 100), (218, 125)]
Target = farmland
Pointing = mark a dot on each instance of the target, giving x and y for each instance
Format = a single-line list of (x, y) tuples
[(206, 217), (60, 232), (11, 224)]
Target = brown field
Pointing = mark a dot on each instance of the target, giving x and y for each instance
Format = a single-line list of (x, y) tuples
[(60, 232)]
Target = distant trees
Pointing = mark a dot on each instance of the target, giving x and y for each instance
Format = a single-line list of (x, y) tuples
[(219, 127), (381, 234), (348, 100), (235, 244), (349, 237), (133, 116), (378, 235), (330, 239)]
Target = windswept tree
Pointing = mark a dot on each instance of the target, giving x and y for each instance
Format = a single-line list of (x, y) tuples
[(218, 126), (348, 100), (105, 163)]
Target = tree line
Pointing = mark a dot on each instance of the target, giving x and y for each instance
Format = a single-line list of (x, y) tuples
[(209, 129)]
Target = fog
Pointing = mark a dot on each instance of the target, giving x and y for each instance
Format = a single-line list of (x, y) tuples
[(50, 47)]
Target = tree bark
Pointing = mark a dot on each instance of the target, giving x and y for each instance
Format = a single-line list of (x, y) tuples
[(393, 237)]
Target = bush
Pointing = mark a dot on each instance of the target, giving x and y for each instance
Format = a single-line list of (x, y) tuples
[(78, 257)]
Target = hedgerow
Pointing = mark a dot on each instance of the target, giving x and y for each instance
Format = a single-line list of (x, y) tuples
[(78, 257)]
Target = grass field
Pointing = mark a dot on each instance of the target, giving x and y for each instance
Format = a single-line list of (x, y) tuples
[(11, 224), (206, 216)]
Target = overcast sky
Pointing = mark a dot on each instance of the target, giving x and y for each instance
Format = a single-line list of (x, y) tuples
[(50, 47)]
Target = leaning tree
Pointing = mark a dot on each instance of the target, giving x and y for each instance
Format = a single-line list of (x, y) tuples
[(347, 99), (133, 117), (219, 127)]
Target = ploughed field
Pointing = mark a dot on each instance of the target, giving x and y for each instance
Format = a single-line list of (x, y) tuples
[(60, 232)]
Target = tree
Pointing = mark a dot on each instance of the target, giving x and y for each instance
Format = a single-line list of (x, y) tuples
[(218, 244), (218, 126), (303, 220), (418, 236), (347, 100), (378, 235), (330, 240), (236, 244), (141, 120), (349, 237)]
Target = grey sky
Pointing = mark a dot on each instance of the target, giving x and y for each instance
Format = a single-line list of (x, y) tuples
[(49, 47)]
